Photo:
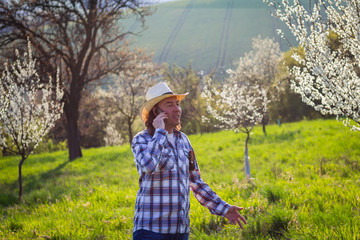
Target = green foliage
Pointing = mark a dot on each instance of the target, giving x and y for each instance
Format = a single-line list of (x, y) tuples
[(273, 194), (305, 186), (288, 107), (49, 146), (289, 61), (91, 125), (334, 40), (15, 226), (187, 80), (10, 145)]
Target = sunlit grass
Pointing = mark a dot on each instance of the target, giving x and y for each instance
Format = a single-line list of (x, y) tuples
[(305, 185)]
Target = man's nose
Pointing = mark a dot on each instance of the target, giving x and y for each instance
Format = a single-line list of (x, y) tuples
[(177, 108)]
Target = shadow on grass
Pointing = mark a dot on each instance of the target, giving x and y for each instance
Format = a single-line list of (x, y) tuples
[(10, 197)]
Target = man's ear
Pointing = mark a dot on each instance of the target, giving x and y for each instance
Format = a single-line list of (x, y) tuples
[(154, 111)]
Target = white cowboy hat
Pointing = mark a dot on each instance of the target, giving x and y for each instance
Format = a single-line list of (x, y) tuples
[(154, 95)]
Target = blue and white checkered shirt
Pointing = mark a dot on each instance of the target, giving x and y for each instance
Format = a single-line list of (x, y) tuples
[(162, 202)]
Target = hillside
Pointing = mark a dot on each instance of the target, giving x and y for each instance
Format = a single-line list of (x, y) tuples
[(209, 33), (305, 185)]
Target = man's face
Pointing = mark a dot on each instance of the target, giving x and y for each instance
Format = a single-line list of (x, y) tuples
[(171, 106)]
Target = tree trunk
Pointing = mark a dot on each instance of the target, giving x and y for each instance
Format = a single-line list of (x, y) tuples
[(263, 127), (71, 109), (130, 131), (5, 152), (264, 122), (20, 178), (247, 164)]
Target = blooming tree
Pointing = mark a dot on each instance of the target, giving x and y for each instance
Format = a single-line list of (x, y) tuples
[(127, 88), (82, 38), (4, 99), (329, 78), (260, 66), (112, 136), (28, 108), (236, 106)]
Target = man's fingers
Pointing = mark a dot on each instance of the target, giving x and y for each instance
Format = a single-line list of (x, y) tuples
[(159, 118), (243, 219), (238, 208), (235, 217), (239, 215), (239, 223), (163, 115)]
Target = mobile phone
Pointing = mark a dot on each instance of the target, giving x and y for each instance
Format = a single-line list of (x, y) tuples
[(158, 111)]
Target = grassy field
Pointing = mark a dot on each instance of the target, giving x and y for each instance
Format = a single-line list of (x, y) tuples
[(305, 185), (208, 33)]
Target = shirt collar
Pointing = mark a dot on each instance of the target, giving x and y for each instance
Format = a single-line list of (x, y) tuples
[(177, 133)]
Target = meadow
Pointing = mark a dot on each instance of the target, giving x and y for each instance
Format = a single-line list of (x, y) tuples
[(209, 34), (305, 184)]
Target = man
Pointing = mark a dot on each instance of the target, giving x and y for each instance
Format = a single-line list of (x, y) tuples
[(168, 170)]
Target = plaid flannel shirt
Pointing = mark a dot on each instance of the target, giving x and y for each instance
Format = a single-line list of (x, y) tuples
[(162, 202)]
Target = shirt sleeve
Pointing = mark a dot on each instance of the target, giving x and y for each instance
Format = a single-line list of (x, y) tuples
[(150, 154), (204, 194)]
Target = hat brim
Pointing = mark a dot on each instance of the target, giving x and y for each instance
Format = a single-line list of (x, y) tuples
[(147, 106)]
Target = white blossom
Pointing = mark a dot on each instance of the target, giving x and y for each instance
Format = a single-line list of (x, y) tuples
[(112, 136), (126, 90), (260, 64), (236, 105), (28, 108), (329, 79)]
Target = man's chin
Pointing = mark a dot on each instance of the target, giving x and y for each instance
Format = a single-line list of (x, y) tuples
[(173, 123)]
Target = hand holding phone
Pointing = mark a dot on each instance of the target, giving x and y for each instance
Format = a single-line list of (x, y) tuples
[(159, 119), (158, 111)]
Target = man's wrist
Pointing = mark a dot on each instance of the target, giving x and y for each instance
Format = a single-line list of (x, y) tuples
[(226, 209)]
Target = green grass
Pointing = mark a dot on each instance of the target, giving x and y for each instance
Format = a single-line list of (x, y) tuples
[(193, 31), (305, 185)]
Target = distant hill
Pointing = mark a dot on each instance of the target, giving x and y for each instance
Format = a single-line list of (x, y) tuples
[(209, 33)]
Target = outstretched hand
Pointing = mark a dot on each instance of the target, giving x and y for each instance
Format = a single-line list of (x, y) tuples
[(235, 217)]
